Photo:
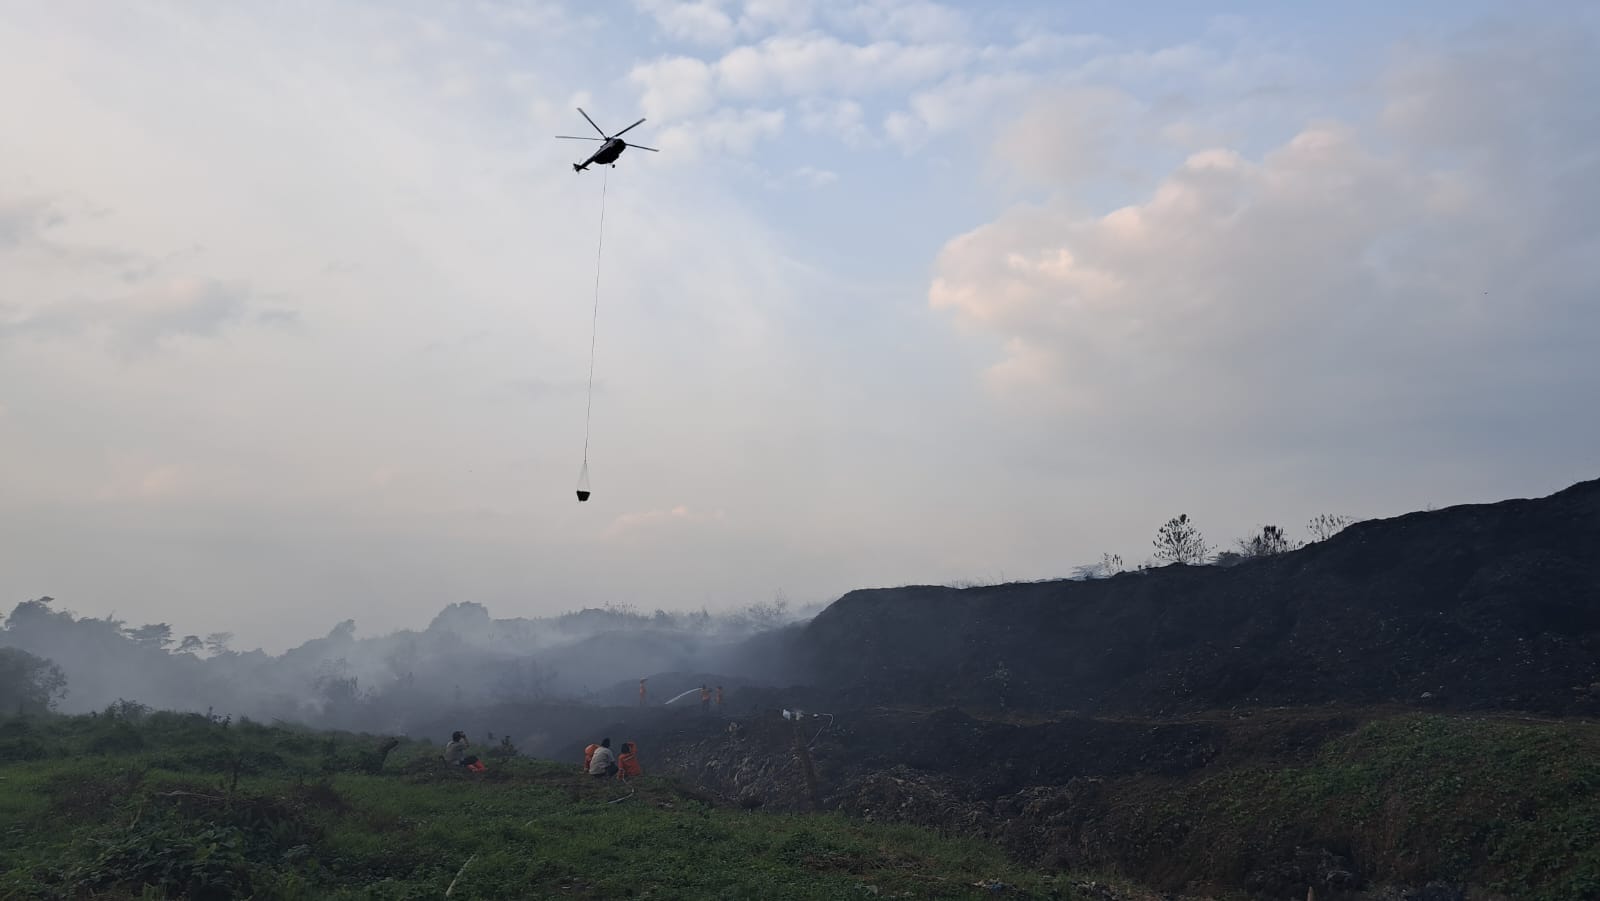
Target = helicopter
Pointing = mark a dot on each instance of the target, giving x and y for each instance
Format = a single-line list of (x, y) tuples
[(610, 150)]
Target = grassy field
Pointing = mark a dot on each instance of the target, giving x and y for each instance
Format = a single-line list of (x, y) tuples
[(133, 804), (1510, 805)]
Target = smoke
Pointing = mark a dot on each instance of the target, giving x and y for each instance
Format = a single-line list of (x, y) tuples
[(411, 680)]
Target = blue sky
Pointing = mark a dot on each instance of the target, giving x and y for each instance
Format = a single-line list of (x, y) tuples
[(295, 311)]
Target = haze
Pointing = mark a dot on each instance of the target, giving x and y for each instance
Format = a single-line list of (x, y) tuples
[(295, 300)]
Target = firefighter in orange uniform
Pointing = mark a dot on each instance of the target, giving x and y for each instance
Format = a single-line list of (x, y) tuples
[(628, 763)]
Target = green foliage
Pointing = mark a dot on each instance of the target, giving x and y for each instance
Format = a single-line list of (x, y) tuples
[(154, 635), (28, 684), (1507, 805), (203, 808)]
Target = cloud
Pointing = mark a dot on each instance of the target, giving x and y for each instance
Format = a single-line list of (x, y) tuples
[(913, 21), (814, 177), (1067, 135), (819, 72), (843, 119), (810, 64), (1392, 278), (807, 177), (651, 520), (674, 88), (730, 131), (24, 220), (958, 102), (701, 22), (142, 320)]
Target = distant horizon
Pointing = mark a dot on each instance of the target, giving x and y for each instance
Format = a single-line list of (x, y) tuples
[(796, 612)]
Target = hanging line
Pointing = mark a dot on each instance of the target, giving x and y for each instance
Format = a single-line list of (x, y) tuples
[(595, 324)]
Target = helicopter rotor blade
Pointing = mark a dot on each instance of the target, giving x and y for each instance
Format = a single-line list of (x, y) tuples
[(591, 122), (628, 129), (642, 147), (579, 138)]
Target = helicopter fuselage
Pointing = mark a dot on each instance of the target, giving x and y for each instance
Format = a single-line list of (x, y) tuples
[(608, 153)]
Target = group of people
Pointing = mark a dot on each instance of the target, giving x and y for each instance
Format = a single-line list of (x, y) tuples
[(601, 762), (705, 698)]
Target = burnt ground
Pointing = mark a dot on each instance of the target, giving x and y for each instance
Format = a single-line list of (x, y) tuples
[(1488, 607)]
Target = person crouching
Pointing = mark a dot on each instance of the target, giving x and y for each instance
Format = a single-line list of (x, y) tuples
[(455, 753), (628, 761), (604, 762)]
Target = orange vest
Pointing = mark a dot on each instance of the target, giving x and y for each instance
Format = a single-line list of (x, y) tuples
[(588, 755), (628, 764)]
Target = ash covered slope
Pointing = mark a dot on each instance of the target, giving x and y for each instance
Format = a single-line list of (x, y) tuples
[(1477, 606)]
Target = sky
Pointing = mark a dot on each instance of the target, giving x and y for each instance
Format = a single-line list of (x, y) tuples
[(296, 300)]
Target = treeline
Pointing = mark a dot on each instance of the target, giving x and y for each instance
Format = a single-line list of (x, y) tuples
[(51, 658)]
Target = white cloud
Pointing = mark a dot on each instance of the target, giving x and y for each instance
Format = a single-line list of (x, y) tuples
[(699, 22), (809, 177), (815, 177), (766, 16), (957, 103), (914, 21), (1067, 135), (811, 70), (674, 88), (810, 64), (727, 131), (843, 119), (1324, 289), (643, 520)]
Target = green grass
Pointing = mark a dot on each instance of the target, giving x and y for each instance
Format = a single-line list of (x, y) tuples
[(142, 805), (1509, 805), (133, 804)]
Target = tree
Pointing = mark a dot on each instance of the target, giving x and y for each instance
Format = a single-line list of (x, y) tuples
[(1179, 542), (768, 615), (28, 684), (191, 644), (217, 642), (1109, 565), (1327, 525), (1269, 542), (154, 635)]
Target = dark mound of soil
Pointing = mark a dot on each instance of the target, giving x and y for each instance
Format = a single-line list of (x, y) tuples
[(1470, 607)]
